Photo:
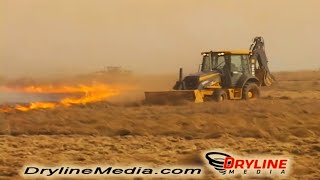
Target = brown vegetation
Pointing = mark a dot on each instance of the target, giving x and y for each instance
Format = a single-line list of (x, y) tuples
[(285, 121)]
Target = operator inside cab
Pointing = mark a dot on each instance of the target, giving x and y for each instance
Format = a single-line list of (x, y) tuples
[(231, 66)]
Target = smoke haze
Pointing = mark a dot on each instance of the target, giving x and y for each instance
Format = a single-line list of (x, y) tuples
[(56, 37)]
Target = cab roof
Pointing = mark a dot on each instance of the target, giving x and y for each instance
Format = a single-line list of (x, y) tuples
[(230, 52)]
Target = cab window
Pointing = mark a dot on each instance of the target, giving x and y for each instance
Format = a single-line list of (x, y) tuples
[(245, 63), (219, 62), (236, 63), (206, 63)]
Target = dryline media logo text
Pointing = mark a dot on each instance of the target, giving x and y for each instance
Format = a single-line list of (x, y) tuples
[(225, 164)]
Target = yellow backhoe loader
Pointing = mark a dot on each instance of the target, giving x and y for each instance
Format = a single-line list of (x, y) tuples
[(234, 74)]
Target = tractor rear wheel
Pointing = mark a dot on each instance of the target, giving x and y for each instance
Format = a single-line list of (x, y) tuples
[(250, 91), (220, 95)]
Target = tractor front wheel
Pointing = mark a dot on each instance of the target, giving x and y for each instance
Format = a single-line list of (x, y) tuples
[(220, 95)]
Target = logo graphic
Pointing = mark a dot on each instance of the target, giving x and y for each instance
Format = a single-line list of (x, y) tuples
[(216, 159), (225, 164)]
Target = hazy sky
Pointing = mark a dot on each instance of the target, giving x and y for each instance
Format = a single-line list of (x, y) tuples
[(48, 37)]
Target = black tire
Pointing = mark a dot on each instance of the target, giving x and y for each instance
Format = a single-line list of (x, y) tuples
[(250, 91), (219, 95)]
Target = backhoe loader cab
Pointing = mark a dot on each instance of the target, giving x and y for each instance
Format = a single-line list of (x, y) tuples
[(230, 64), (235, 74)]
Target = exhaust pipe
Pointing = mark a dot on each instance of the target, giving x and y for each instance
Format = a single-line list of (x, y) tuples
[(180, 74), (179, 84)]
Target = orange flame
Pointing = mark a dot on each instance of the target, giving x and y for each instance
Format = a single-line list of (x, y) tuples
[(90, 93), (35, 105)]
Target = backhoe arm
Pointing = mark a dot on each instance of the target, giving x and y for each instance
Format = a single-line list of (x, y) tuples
[(258, 53)]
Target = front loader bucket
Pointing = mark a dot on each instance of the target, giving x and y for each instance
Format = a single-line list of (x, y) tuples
[(173, 97)]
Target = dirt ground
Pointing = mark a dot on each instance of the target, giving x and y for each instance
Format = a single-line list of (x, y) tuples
[(285, 121)]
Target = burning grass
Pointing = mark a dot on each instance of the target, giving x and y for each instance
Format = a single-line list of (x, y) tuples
[(88, 93)]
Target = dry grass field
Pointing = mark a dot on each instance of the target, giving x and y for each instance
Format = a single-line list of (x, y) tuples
[(126, 131)]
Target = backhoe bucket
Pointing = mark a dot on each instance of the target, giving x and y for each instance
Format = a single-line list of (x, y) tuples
[(173, 97), (268, 79)]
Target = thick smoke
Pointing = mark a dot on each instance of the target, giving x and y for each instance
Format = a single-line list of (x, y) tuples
[(54, 38)]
